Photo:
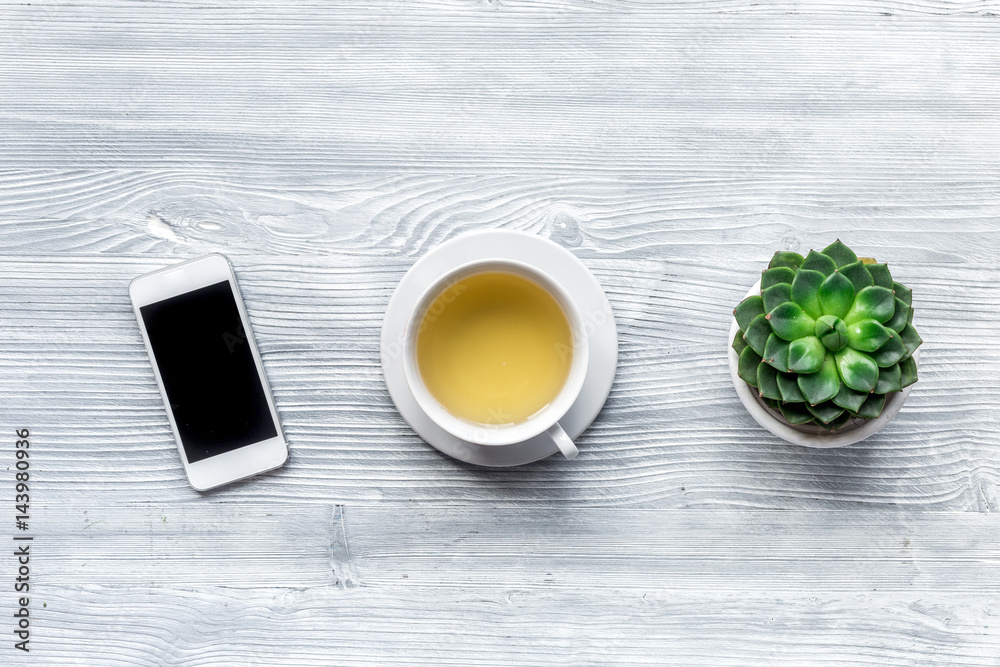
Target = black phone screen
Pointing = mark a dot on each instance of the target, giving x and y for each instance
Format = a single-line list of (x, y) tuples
[(208, 371)]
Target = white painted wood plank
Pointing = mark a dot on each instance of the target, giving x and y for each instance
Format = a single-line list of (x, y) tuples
[(361, 626), (479, 585), (691, 550), (477, 86), (469, 547), (191, 545), (947, 217), (550, 8)]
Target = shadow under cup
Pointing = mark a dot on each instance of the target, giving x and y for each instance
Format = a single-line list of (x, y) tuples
[(547, 417)]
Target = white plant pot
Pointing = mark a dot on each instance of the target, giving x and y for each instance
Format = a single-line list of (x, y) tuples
[(808, 435)]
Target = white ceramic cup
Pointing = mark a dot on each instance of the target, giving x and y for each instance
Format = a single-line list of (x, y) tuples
[(545, 420)]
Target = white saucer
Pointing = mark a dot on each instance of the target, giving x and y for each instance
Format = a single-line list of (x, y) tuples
[(565, 269)]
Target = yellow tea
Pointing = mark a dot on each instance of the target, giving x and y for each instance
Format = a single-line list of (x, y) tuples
[(494, 348)]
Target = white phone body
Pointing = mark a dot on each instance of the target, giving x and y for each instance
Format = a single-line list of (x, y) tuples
[(188, 296)]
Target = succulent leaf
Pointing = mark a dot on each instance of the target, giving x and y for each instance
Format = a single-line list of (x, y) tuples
[(907, 373), (823, 384), (836, 295), (880, 274), (795, 413), (832, 331), (771, 403), (738, 342), (767, 382), (749, 361), (789, 387), (838, 422), (825, 412), (872, 303), (857, 370), (904, 293), (776, 276), (867, 335), (749, 308), (805, 355), (790, 322), (775, 295), (805, 291), (889, 379), (792, 260), (872, 407), (890, 353), (840, 253), (858, 275), (910, 338), (909, 316), (849, 399), (776, 353), (899, 317), (757, 334), (816, 261)]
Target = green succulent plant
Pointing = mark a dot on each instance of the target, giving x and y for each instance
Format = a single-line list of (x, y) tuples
[(828, 336)]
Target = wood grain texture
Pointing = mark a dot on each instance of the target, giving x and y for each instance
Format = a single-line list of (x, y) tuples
[(191, 545), (672, 146), (474, 585), (481, 86), (360, 626), (392, 213)]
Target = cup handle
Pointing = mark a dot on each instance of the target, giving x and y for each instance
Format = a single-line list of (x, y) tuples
[(562, 441)]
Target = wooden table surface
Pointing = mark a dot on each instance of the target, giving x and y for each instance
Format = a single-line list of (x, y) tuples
[(325, 147)]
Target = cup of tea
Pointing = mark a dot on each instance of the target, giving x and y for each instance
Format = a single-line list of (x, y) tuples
[(495, 353)]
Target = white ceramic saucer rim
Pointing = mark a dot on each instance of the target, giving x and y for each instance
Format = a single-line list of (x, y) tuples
[(563, 267)]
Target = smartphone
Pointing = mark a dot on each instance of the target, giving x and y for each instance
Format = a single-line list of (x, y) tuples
[(208, 370)]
